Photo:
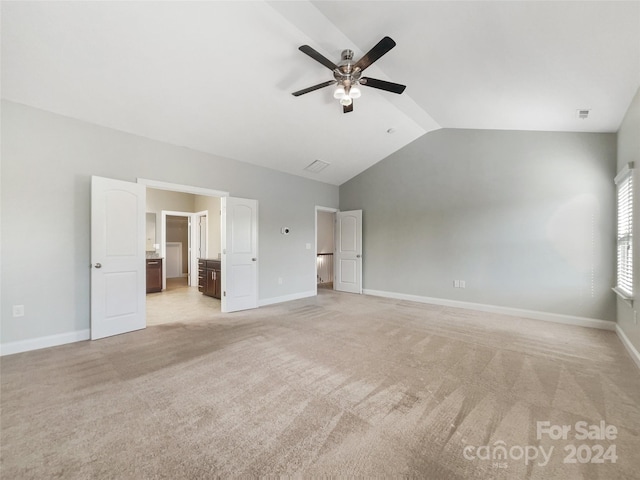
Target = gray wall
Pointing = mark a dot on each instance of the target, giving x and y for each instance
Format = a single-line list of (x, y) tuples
[(525, 218), (629, 151), (47, 162)]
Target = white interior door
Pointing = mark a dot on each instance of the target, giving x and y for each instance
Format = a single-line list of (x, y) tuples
[(118, 268), (239, 238), (348, 257)]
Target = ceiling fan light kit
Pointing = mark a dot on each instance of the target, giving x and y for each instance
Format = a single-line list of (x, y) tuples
[(347, 74)]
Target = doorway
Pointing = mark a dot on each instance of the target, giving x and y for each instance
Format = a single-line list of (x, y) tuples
[(177, 248), (325, 247), (225, 229), (187, 221), (122, 236), (183, 240), (338, 250)]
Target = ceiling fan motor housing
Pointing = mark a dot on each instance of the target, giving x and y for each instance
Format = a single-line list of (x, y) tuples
[(345, 74)]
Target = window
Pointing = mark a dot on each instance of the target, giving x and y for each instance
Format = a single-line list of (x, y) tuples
[(624, 187)]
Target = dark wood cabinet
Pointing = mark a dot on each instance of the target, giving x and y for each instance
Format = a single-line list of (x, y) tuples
[(209, 279), (154, 275)]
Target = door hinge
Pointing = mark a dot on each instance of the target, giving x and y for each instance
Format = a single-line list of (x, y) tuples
[(224, 294)]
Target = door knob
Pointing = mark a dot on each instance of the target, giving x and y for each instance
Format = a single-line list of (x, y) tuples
[(358, 256), (254, 259), (98, 265)]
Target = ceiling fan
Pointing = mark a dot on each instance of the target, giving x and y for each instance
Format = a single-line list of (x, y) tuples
[(347, 74)]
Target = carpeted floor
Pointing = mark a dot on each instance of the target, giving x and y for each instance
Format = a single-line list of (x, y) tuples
[(338, 385)]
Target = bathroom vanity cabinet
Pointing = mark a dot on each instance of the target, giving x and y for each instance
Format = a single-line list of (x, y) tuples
[(209, 279), (154, 275)]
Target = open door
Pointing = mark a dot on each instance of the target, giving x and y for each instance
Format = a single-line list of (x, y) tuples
[(239, 232), (348, 257), (118, 270)]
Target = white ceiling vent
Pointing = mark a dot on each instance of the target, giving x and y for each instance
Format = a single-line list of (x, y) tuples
[(316, 166), (583, 113)]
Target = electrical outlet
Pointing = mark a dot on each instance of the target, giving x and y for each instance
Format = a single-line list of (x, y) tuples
[(456, 284), (279, 280), (18, 310), (463, 284)]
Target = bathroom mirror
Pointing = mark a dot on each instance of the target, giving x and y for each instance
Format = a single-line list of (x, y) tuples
[(151, 232)]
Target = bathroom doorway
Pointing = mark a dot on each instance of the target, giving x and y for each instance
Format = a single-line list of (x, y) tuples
[(185, 227)]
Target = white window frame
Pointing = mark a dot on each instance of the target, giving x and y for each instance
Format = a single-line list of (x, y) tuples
[(624, 233)]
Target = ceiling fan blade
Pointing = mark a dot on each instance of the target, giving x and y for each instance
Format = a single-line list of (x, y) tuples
[(347, 108), (315, 87), (318, 57), (382, 85), (382, 47)]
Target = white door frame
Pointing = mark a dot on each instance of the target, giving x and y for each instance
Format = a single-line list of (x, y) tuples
[(315, 248), (176, 187), (195, 243)]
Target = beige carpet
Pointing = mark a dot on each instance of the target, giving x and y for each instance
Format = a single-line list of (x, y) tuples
[(338, 385)]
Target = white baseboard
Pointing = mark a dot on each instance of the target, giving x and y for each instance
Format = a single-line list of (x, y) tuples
[(635, 355), (80, 335), (516, 312), (44, 342), (285, 298)]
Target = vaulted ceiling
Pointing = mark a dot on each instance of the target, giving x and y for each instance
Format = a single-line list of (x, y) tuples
[(217, 76)]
